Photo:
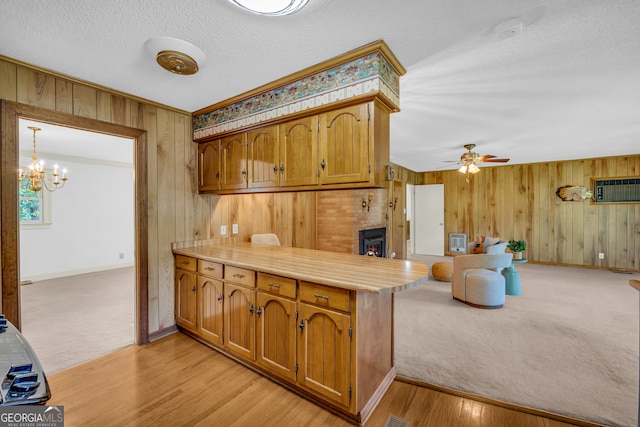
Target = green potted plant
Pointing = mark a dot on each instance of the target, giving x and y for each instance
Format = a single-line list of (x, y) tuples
[(517, 246)]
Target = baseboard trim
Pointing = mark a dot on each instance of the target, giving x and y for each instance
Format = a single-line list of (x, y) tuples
[(501, 403), (161, 333)]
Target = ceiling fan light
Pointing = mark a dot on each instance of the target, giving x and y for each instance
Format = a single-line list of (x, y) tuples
[(463, 169), (271, 7), (473, 168)]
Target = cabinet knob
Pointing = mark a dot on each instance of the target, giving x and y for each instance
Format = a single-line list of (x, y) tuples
[(323, 164), (275, 168), (252, 309), (259, 312), (194, 289), (282, 168), (301, 325), (220, 297)]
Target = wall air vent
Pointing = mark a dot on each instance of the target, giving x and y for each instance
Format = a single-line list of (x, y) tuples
[(616, 190), (457, 243)]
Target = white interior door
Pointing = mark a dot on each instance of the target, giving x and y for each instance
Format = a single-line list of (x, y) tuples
[(428, 219)]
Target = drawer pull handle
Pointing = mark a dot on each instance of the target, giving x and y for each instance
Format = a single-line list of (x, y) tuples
[(185, 263), (210, 269), (274, 285), (324, 297), (238, 276)]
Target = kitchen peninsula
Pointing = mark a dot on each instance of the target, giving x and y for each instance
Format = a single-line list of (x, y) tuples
[(317, 322)]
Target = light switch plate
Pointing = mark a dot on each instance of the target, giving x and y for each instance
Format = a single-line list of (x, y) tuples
[(223, 229), (235, 229)]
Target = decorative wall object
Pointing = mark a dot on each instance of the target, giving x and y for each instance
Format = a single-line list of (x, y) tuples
[(574, 193)]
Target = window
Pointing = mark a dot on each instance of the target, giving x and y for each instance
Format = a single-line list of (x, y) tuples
[(34, 207)]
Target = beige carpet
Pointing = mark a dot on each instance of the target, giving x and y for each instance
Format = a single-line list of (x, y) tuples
[(568, 345), (75, 319)]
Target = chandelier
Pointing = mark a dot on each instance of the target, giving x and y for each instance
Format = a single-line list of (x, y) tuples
[(35, 177), (271, 7)]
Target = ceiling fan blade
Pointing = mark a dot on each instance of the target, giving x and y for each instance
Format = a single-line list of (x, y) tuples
[(483, 158), (496, 160)]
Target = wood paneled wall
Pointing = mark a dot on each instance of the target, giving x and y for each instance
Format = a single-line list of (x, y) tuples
[(520, 202), (175, 211)]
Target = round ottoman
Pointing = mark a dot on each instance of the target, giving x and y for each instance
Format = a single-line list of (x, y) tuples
[(442, 271)]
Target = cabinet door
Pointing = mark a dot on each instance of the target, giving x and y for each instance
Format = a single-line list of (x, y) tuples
[(185, 288), (234, 162), (344, 145), (277, 335), (324, 352), (264, 169), (210, 310), (209, 166), (299, 152), (239, 305)]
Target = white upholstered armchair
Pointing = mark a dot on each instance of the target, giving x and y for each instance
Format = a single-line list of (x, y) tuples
[(477, 279)]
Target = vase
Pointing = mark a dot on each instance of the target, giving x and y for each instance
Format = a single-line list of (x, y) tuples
[(517, 255)]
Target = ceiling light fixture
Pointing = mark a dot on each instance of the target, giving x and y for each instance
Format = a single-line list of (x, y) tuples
[(35, 177), (271, 7), (176, 56)]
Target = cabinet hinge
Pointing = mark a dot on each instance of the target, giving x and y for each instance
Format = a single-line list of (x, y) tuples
[(350, 390), (296, 368), (296, 315), (350, 331), (318, 124), (369, 167)]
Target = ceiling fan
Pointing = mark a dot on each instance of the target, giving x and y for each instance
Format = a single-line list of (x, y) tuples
[(469, 159)]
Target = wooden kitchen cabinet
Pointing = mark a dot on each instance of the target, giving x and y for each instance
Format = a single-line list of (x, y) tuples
[(234, 162), (264, 155), (299, 152), (326, 336), (209, 166), (344, 145), (185, 292), (324, 353), (276, 329), (210, 302), (240, 312)]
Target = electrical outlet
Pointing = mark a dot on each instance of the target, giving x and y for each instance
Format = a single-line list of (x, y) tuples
[(235, 229), (223, 230), (601, 255), (121, 255)]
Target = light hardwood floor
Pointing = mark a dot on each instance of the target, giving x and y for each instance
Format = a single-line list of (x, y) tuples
[(178, 381)]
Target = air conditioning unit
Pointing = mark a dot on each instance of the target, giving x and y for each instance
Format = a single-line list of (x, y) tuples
[(458, 243)]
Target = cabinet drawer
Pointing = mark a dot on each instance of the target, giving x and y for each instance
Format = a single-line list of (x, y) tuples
[(185, 263), (241, 276), (210, 269), (278, 285), (325, 296)]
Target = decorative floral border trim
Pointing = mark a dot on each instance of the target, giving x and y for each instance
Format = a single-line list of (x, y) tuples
[(371, 73)]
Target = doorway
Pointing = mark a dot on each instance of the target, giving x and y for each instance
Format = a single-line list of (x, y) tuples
[(77, 245), (428, 217), (10, 113)]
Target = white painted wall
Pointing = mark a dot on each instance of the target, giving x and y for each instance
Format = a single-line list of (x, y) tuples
[(92, 223)]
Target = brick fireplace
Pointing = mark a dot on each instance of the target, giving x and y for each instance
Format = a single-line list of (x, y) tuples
[(341, 217)]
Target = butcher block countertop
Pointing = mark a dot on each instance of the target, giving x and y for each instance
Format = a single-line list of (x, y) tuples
[(347, 271), (635, 284)]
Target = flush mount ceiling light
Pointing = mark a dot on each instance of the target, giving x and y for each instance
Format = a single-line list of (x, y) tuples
[(175, 55), (271, 7)]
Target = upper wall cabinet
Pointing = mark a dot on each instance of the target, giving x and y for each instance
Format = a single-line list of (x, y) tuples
[(344, 148), (209, 166), (324, 127), (299, 152), (264, 155)]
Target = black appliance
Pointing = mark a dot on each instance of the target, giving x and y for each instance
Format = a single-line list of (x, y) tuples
[(24, 381)]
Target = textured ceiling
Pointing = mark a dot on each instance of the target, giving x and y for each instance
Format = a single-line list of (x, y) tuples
[(566, 87)]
